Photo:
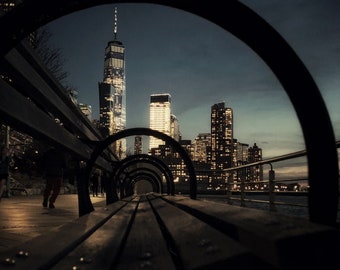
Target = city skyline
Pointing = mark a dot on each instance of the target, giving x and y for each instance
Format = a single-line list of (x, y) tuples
[(200, 64)]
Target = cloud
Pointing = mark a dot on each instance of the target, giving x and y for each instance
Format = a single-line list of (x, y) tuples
[(297, 172), (291, 169)]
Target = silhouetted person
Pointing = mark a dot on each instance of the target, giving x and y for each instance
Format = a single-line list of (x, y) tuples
[(4, 167), (95, 183), (53, 164), (104, 179)]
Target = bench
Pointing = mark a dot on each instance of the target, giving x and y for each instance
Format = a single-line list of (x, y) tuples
[(168, 232), (175, 232)]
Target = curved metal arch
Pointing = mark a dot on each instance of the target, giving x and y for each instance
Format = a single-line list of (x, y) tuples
[(121, 165), (114, 184), (133, 173), (149, 132), (125, 182), (143, 176), (169, 179), (245, 24)]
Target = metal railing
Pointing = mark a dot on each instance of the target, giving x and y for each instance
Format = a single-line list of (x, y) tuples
[(238, 191)]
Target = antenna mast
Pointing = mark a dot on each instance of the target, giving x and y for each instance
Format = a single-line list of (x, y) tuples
[(115, 24)]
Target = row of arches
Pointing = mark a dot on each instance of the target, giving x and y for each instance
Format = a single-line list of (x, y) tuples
[(242, 22), (129, 171)]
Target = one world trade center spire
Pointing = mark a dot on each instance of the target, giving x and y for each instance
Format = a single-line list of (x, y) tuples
[(112, 96)]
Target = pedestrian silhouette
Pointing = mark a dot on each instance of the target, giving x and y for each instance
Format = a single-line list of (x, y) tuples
[(54, 164), (95, 182), (4, 167), (103, 183)]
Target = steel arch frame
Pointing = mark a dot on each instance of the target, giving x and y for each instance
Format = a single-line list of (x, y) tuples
[(250, 28), (147, 176), (148, 132), (132, 173), (144, 158)]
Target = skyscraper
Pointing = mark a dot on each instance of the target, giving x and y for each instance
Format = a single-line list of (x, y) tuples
[(255, 172), (112, 96), (201, 145), (138, 145), (174, 128), (240, 158), (221, 139), (160, 117), (106, 93), (86, 109)]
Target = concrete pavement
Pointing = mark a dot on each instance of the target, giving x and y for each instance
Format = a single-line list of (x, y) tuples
[(23, 217)]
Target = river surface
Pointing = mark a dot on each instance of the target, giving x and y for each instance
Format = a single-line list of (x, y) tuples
[(285, 204)]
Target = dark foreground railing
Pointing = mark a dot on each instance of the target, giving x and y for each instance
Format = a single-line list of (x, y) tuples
[(272, 192), (286, 202)]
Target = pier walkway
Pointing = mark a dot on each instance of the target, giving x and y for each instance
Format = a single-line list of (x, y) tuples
[(158, 231), (23, 217)]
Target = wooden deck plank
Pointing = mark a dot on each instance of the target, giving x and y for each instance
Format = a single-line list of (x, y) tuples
[(46, 249), (145, 246), (23, 217), (283, 241), (201, 246), (176, 232), (100, 250)]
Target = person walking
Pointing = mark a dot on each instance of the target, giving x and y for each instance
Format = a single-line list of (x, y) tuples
[(54, 164), (95, 182), (103, 183), (4, 167)]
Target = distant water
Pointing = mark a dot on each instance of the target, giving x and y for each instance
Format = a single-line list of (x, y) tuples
[(285, 204)]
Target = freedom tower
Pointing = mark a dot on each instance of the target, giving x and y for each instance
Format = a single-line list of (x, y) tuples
[(112, 96)]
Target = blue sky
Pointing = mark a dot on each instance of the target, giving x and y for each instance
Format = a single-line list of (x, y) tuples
[(200, 64)]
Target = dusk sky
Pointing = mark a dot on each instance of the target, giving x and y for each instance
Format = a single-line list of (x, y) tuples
[(200, 64)]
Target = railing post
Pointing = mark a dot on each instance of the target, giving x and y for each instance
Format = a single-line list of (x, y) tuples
[(271, 189), (229, 192), (242, 189)]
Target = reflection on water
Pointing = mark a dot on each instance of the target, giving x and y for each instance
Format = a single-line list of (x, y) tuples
[(285, 204)]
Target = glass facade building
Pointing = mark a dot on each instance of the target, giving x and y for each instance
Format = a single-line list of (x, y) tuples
[(112, 92), (255, 172), (106, 108), (160, 117), (201, 146), (138, 145), (86, 109), (221, 140)]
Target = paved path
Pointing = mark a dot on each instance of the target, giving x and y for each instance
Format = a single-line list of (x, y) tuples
[(23, 217)]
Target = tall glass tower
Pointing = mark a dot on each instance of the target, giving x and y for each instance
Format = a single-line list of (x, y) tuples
[(221, 139), (160, 117), (112, 93)]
